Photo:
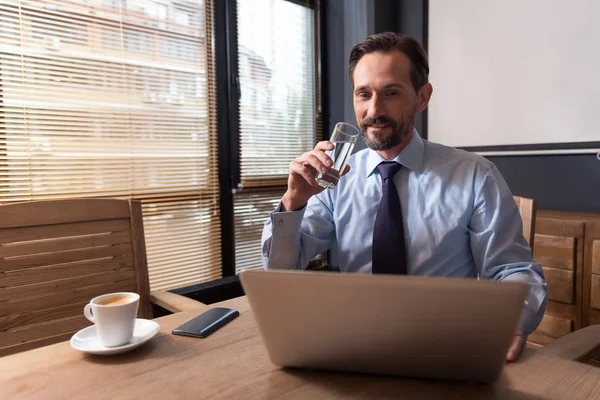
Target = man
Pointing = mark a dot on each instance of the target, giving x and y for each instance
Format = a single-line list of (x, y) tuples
[(433, 210)]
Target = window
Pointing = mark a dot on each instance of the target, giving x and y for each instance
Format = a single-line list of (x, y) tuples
[(250, 211), (91, 107), (277, 78), (118, 98), (278, 110)]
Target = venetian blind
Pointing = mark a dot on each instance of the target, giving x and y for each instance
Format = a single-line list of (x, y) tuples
[(250, 212), (115, 98), (279, 99)]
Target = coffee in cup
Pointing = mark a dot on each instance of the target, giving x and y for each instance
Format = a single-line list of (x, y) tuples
[(114, 316), (115, 301)]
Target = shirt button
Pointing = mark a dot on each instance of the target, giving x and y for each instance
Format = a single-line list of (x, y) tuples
[(280, 222)]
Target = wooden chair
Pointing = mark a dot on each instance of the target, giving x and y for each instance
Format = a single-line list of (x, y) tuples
[(57, 255), (528, 210)]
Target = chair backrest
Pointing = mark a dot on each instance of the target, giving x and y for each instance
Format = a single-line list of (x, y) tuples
[(528, 210), (55, 256)]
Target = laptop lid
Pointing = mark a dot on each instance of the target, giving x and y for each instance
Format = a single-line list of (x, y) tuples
[(443, 328)]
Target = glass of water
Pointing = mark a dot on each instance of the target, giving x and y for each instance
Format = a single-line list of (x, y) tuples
[(343, 139)]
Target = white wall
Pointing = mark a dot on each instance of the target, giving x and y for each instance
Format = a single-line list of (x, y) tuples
[(514, 72)]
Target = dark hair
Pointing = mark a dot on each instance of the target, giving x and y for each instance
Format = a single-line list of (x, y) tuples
[(390, 41)]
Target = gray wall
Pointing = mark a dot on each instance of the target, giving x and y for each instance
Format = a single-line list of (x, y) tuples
[(563, 183), (566, 182)]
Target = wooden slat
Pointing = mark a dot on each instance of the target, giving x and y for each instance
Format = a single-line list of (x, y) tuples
[(62, 271), (594, 317), (70, 296), (557, 263), (37, 317), (555, 251), (556, 226), (562, 310), (590, 272), (594, 362), (533, 345), (10, 235), (66, 211), (174, 302), (527, 209), (63, 244), (578, 345), (64, 257), (33, 332), (58, 286), (560, 285), (596, 257), (539, 338), (36, 343), (595, 293), (555, 327)]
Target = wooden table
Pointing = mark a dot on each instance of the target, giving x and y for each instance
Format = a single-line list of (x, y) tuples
[(233, 364)]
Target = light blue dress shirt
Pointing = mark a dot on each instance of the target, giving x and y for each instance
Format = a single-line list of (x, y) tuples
[(460, 220)]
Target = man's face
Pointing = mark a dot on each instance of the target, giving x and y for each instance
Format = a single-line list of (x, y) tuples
[(385, 102)]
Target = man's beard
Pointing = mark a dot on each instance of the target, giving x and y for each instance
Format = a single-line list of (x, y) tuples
[(399, 133)]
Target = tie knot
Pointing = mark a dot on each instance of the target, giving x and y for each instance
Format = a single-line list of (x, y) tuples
[(388, 169)]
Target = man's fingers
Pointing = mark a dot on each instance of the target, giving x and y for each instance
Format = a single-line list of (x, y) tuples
[(317, 158), (515, 348), (304, 171), (325, 145), (324, 158), (316, 163)]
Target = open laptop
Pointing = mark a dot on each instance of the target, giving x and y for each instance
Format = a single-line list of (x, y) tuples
[(442, 328)]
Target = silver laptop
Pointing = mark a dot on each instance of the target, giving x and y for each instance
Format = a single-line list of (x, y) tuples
[(442, 328)]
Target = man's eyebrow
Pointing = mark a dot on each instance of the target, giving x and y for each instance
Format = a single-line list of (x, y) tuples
[(387, 86)]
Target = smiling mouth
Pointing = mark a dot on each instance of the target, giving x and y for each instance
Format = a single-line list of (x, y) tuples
[(379, 126)]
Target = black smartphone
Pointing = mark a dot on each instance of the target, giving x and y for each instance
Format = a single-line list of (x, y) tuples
[(206, 323)]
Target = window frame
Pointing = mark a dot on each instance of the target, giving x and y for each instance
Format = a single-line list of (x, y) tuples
[(229, 91)]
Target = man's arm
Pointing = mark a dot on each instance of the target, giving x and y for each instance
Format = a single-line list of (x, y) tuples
[(290, 239), (302, 225), (499, 248)]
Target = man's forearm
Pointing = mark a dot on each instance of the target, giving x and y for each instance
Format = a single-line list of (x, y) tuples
[(535, 303), (281, 240), (292, 238)]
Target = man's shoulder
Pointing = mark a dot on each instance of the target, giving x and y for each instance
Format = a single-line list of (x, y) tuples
[(441, 155)]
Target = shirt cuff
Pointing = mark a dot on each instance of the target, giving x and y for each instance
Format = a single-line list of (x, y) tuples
[(535, 302), (286, 223)]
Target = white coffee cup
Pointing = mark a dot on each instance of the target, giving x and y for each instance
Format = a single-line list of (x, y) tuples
[(114, 316)]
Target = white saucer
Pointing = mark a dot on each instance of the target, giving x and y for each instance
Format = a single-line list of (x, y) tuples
[(87, 340)]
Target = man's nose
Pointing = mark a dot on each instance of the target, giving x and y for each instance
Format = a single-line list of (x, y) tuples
[(375, 108)]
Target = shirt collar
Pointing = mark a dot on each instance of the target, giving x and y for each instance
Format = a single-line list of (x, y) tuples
[(411, 157)]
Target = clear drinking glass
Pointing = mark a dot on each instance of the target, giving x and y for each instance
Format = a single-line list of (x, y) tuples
[(343, 138)]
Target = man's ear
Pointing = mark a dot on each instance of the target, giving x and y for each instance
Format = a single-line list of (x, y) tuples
[(424, 95)]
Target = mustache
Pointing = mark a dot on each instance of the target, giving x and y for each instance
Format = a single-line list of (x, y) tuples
[(379, 120)]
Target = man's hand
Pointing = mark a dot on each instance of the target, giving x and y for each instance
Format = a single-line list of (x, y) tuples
[(302, 184), (516, 347)]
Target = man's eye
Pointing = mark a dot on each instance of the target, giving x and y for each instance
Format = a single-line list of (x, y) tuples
[(363, 95), (392, 93)]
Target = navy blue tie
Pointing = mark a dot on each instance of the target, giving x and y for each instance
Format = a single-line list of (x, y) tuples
[(389, 252)]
